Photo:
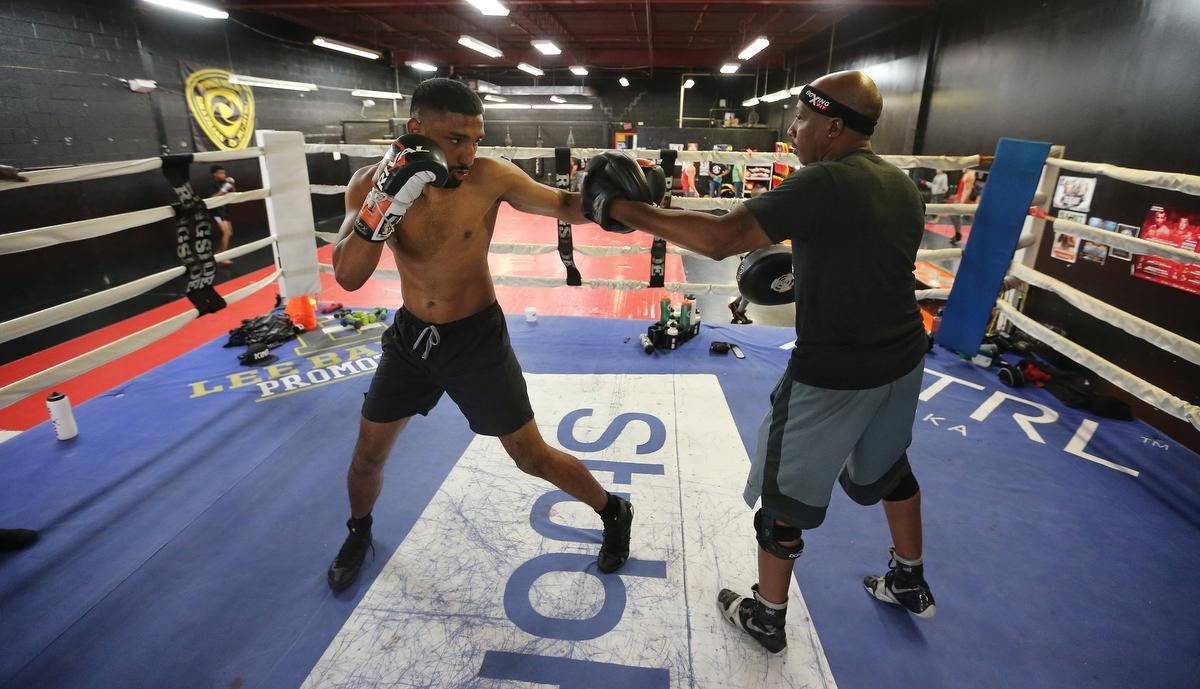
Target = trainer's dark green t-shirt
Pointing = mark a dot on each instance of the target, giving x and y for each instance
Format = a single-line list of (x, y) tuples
[(855, 226)]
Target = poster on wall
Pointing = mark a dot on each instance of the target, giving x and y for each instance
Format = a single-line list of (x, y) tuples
[(1075, 193), (1173, 227), (222, 112), (1093, 252), (1066, 246), (1128, 231)]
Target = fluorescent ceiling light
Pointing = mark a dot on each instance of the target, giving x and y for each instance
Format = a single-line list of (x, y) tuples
[(347, 48), (795, 90), (530, 69), (688, 84), (754, 48), (556, 99), (546, 47), (192, 8), (506, 106), (246, 80), (479, 46), (624, 81), (729, 68), (778, 95), (750, 103), (495, 99), (386, 95), (421, 66), (490, 8), (579, 71), (563, 106)]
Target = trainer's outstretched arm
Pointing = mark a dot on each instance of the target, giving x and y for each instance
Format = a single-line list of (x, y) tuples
[(717, 237)]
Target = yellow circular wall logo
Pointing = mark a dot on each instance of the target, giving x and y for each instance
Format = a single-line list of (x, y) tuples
[(224, 110)]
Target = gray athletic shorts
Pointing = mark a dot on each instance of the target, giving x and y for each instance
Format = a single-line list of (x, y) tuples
[(813, 437)]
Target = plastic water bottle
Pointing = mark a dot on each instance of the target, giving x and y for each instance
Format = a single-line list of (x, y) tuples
[(60, 414)]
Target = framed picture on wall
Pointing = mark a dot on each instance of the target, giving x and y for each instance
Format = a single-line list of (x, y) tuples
[(1170, 226), (1066, 246), (1075, 193), (1093, 252), (1128, 231)]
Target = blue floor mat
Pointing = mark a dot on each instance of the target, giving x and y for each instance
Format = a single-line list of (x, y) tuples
[(186, 531)]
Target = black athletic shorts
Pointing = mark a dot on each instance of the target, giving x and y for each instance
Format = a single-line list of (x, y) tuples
[(472, 359)]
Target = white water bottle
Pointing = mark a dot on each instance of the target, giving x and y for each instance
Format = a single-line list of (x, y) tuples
[(60, 413)]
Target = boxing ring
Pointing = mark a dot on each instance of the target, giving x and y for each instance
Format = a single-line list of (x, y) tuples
[(186, 530)]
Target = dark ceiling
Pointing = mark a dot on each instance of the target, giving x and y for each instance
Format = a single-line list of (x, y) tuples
[(626, 36)]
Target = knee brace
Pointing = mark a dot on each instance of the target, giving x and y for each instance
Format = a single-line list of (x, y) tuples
[(771, 537), (905, 489)]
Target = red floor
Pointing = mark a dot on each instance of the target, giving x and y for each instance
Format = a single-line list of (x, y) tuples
[(511, 226)]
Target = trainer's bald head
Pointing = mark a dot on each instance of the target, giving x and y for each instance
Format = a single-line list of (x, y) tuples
[(854, 89)]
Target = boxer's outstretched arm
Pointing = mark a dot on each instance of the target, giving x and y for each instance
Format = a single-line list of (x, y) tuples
[(529, 196), (717, 237)]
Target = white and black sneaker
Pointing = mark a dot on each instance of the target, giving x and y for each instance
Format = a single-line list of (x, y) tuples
[(903, 585), (762, 620)]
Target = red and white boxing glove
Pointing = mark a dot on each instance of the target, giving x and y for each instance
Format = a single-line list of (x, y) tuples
[(413, 162)]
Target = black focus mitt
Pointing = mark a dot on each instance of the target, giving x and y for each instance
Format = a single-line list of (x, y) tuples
[(611, 176), (765, 276)]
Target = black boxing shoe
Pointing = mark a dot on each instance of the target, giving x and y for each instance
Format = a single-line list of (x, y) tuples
[(903, 585), (614, 551), (344, 569), (762, 621)]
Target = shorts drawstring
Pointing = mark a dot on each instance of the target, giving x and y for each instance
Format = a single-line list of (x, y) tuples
[(431, 341)]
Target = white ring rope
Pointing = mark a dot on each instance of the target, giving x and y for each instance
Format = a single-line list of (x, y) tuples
[(935, 294), (1155, 335), (938, 254), (247, 248), (236, 197), (1143, 390), (112, 351), (1188, 184), (327, 188), (41, 237), (40, 320), (1134, 245), (703, 203), (725, 290), (124, 167), (627, 250), (724, 157), (548, 281)]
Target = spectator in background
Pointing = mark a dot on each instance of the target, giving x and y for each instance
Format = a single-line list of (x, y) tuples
[(716, 177), (687, 180), (220, 185), (938, 188), (965, 194)]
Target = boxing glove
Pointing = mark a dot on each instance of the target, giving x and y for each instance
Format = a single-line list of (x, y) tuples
[(611, 176), (412, 162)]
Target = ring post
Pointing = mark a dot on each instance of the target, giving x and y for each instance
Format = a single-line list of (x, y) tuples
[(1011, 183), (289, 211)]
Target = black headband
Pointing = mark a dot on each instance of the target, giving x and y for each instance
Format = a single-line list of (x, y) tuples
[(825, 105)]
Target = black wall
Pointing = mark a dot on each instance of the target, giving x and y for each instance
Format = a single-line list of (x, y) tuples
[(63, 102), (61, 63), (1112, 80)]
